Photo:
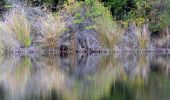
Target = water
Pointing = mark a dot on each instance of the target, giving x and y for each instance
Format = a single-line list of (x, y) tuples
[(85, 77)]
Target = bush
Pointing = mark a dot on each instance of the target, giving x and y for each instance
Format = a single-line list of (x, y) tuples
[(109, 31), (159, 17), (92, 15), (120, 8)]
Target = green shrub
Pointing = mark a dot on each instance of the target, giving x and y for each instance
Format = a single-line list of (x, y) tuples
[(109, 31), (159, 16), (120, 8), (100, 20)]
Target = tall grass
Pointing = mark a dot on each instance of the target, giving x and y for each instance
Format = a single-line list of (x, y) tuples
[(142, 36), (109, 31), (8, 41), (15, 28), (52, 27)]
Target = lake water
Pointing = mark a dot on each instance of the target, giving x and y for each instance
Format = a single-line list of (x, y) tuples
[(120, 76)]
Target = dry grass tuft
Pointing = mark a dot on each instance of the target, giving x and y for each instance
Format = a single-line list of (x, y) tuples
[(8, 41), (142, 35), (52, 27), (15, 28)]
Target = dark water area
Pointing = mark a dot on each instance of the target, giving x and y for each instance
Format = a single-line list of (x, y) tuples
[(117, 76)]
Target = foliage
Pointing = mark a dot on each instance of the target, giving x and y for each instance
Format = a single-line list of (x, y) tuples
[(154, 12), (94, 16), (159, 18), (110, 32), (120, 8)]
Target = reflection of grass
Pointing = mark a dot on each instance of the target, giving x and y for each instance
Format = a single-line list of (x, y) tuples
[(16, 73), (93, 86), (22, 73), (111, 70), (141, 70), (109, 81), (23, 68)]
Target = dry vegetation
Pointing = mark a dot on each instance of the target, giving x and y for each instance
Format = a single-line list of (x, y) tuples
[(142, 36), (15, 29), (52, 27)]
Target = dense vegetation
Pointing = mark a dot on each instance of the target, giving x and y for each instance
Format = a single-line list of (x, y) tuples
[(140, 11), (111, 19), (154, 11)]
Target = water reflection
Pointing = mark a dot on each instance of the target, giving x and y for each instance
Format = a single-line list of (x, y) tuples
[(85, 77)]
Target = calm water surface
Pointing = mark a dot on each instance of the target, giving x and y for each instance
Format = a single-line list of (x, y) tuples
[(85, 77)]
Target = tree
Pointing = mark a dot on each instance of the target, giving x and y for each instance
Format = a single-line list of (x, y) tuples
[(120, 8)]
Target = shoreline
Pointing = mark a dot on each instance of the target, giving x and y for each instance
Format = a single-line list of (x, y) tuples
[(31, 51)]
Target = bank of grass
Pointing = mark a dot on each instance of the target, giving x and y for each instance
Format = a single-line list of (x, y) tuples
[(15, 30)]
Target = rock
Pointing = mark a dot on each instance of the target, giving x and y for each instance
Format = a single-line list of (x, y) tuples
[(87, 40), (129, 41)]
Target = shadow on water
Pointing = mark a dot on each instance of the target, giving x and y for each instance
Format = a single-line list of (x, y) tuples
[(118, 76)]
